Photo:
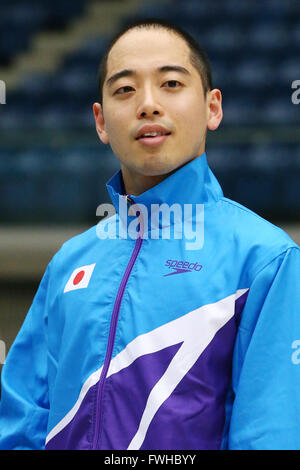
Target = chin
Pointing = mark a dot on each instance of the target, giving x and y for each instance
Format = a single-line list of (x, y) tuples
[(156, 168)]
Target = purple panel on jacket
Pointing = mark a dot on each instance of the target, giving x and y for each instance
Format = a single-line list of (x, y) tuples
[(191, 418), (142, 374), (123, 411)]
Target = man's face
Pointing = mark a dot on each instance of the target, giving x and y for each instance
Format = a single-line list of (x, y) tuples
[(173, 99)]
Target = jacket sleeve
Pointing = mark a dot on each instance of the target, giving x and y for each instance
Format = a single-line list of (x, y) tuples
[(24, 392), (266, 363)]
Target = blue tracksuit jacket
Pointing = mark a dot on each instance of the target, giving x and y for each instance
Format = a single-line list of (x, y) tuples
[(145, 344)]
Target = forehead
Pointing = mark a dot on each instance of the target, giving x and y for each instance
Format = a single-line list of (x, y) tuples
[(148, 48)]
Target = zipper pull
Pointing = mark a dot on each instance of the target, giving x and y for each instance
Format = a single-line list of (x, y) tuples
[(129, 200)]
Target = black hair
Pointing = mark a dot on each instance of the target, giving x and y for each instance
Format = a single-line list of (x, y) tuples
[(198, 56)]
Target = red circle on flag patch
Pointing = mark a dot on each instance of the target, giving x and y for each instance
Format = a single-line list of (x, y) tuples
[(78, 277)]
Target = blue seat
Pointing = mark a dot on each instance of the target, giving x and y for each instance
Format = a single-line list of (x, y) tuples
[(12, 43), (271, 157), (240, 111), (20, 20), (288, 70), (253, 72), (60, 12), (228, 158), (290, 195), (77, 81), (268, 36), (224, 39), (257, 191), (279, 110), (295, 36)]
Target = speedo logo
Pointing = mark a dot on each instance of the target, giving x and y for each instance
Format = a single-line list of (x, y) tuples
[(179, 267)]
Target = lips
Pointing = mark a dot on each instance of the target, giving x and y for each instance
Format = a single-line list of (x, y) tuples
[(148, 129), (145, 136), (153, 141)]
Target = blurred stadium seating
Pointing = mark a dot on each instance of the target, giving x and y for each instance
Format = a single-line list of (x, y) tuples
[(21, 19), (53, 168)]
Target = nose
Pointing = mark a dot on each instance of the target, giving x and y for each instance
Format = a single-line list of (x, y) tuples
[(148, 104)]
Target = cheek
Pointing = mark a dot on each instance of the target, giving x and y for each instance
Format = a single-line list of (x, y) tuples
[(197, 120), (189, 111), (118, 133), (191, 122), (115, 126)]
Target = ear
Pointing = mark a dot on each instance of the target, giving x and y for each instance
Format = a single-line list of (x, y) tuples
[(100, 124), (215, 112)]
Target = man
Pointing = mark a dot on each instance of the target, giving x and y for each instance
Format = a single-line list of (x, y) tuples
[(149, 342)]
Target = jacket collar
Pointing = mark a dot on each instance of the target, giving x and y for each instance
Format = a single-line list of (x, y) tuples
[(193, 183)]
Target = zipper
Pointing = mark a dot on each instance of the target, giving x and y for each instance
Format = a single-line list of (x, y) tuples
[(112, 334)]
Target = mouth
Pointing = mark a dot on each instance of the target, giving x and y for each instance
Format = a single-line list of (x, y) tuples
[(153, 140)]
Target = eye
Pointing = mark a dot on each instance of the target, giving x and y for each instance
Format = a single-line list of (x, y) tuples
[(173, 82), (123, 88)]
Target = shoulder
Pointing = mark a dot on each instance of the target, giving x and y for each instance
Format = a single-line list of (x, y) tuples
[(252, 226), (79, 242), (257, 238), (80, 248), (84, 241)]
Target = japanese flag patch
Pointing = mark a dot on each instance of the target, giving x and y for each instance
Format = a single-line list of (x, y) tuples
[(80, 278)]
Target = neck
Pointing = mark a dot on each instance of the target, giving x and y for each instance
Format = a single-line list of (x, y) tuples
[(137, 183)]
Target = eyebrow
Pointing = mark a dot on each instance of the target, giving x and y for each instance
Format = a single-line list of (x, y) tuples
[(130, 73)]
